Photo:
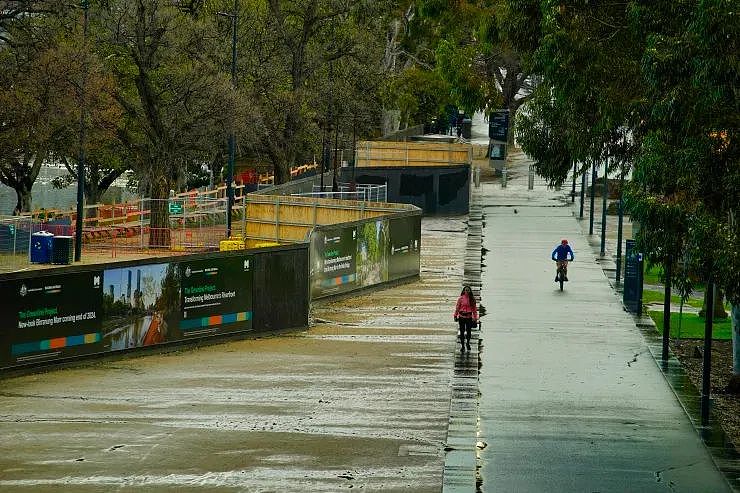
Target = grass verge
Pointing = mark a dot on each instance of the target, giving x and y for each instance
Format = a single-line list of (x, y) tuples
[(692, 326)]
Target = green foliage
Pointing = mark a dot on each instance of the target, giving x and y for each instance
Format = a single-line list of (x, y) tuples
[(651, 87), (421, 95), (480, 66), (685, 184), (468, 87)]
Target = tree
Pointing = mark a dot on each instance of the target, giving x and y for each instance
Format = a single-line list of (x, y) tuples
[(93, 90), (286, 73), (689, 155), (484, 70), (35, 103), (178, 106)]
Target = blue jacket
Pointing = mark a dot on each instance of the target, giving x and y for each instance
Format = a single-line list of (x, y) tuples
[(561, 252)]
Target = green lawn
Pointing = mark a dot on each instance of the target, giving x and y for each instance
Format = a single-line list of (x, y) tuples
[(657, 297), (692, 326), (652, 275)]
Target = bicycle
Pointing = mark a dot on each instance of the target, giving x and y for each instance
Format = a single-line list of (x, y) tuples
[(562, 272)]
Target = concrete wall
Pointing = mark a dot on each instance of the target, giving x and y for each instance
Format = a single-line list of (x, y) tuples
[(434, 189)]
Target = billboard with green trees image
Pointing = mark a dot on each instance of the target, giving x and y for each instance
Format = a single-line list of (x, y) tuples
[(372, 252)]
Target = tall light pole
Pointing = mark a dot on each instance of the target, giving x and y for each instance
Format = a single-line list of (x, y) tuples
[(79, 223), (232, 137)]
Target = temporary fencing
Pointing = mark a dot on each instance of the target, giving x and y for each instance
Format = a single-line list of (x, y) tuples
[(143, 227), (179, 224)]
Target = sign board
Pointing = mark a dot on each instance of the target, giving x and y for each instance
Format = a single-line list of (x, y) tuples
[(175, 207), (119, 308), (632, 294), (50, 317), (498, 125), (216, 295)]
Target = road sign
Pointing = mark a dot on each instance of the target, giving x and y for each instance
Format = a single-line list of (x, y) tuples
[(498, 125)]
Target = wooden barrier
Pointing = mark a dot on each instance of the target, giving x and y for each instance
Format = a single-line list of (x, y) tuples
[(405, 154), (290, 219)]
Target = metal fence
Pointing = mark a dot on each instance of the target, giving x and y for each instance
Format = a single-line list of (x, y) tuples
[(178, 224), (345, 191)]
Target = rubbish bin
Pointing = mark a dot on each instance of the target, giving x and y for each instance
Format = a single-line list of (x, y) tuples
[(41, 247), (62, 248), (467, 128)]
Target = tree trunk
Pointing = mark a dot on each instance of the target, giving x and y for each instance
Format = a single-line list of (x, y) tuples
[(159, 215), (718, 307), (282, 173), (391, 121), (23, 202), (734, 385)]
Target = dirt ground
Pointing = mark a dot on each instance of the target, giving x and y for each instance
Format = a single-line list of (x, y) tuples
[(725, 406)]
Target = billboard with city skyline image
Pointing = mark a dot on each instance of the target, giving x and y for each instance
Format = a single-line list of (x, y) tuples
[(140, 306)]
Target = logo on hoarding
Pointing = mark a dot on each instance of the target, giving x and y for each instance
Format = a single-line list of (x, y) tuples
[(246, 265), (96, 281), (188, 272), (24, 290)]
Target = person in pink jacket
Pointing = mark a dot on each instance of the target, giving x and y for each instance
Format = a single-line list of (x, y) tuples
[(466, 314)]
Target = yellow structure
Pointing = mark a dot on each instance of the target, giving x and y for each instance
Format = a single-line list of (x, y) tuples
[(403, 154)]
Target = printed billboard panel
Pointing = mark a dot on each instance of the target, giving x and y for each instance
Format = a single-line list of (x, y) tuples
[(216, 295), (333, 261), (373, 243), (405, 247), (140, 306), (50, 317)]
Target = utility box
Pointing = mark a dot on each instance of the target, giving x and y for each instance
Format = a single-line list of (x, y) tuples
[(62, 249), (467, 128)]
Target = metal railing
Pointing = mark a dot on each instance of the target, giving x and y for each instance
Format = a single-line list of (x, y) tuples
[(362, 192)]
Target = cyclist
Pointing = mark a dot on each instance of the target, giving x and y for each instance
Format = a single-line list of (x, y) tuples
[(560, 255), (466, 314)]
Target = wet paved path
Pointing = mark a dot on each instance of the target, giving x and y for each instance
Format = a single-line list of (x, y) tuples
[(571, 399), (360, 401)]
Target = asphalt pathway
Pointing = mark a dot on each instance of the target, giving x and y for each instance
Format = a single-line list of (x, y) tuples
[(571, 398)]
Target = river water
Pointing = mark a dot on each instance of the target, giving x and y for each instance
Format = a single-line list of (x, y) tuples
[(44, 195)]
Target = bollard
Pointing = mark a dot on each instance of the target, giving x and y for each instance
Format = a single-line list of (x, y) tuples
[(503, 177), (476, 177), (531, 177)]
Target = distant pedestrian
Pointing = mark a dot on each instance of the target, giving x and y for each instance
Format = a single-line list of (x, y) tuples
[(466, 314)]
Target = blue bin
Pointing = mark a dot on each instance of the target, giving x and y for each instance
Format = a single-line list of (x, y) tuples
[(41, 247)]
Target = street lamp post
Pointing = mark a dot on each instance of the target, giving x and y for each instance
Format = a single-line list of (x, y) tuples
[(604, 192), (79, 223), (232, 136)]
